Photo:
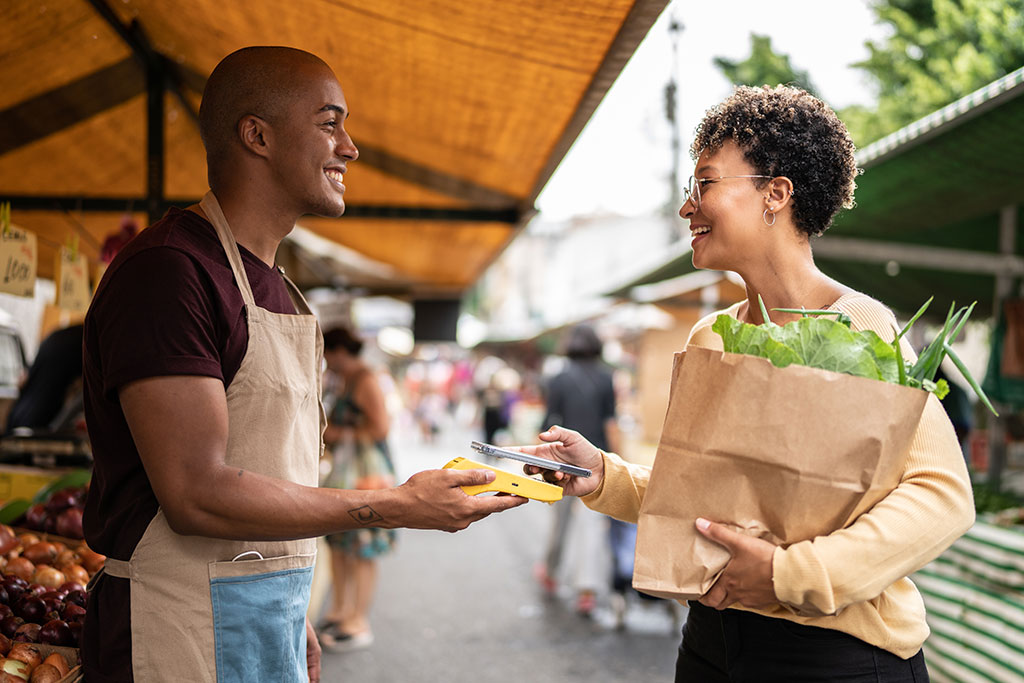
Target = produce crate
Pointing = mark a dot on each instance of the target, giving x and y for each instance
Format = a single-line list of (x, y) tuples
[(71, 657), (19, 481), (974, 594)]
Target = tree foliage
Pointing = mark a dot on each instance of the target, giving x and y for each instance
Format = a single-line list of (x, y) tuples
[(938, 51), (764, 66)]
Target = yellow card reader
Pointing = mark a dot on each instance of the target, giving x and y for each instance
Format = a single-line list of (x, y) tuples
[(506, 482)]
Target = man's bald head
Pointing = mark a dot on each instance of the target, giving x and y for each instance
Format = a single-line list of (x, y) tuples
[(253, 80)]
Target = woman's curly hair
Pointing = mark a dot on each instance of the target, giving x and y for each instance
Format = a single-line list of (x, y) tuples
[(786, 131)]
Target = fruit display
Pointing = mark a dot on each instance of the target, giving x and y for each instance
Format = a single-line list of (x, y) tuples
[(60, 513), (42, 590), (32, 663)]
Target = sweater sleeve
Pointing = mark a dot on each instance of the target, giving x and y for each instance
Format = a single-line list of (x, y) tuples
[(929, 509), (621, 491)]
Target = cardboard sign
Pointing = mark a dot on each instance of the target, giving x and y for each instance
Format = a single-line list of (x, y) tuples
[(18, 258), (73, 292)]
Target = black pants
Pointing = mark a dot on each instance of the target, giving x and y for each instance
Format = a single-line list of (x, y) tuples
[(733, 646)]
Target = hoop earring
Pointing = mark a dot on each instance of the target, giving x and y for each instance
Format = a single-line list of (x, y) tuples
[(764, 217)]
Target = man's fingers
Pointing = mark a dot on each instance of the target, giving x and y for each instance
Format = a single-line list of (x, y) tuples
[(471, 477), (498, 503)]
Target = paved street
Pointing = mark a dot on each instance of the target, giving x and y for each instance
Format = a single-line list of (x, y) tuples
[(464, 607)]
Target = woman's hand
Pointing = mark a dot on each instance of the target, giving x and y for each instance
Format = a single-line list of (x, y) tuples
[(568, 446), (747, 579)]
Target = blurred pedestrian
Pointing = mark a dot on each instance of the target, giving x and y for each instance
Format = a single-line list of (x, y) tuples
[(356, 436), (582, 395)]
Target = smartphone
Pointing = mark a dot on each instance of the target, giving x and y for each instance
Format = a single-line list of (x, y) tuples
[(543, 463)]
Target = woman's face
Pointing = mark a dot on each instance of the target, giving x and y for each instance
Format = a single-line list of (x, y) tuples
[(727, 226), (338, 360)]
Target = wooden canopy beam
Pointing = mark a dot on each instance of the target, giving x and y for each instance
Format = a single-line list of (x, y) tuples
[(472, 214)]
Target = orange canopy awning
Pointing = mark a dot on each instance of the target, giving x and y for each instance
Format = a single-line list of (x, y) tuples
[(461, 111)]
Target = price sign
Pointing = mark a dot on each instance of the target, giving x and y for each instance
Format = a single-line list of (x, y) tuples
[(18, 259), (73, 292)]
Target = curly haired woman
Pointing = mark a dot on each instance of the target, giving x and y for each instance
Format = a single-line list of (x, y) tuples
[(774, 166)]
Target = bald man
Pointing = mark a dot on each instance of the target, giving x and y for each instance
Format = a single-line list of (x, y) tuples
[(202, 384)]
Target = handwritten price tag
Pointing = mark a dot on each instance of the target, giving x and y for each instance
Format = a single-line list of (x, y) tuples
[(73, 292), (18, 259)]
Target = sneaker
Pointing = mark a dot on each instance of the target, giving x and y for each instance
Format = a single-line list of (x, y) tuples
[(546, 581), (346, 642), (618, 601), (586, 601)]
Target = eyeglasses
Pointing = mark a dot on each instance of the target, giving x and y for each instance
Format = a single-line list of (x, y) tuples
[(692, 189)]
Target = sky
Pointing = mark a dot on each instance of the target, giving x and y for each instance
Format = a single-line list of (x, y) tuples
[(621, 161)]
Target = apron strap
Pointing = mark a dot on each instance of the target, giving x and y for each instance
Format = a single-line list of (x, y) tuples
[(118, 568), (211, 207), (301, 305)]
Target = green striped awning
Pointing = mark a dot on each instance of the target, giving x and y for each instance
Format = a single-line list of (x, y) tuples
[(974, 593)]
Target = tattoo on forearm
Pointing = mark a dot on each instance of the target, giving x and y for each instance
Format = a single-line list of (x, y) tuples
[(240, 472), (365, 515)]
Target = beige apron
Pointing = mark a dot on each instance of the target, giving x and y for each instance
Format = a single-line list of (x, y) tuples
[(196, 614)]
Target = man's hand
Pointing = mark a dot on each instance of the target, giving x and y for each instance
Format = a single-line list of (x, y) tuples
[(747, 579), (568, 446), (434, 499), (312, 653)]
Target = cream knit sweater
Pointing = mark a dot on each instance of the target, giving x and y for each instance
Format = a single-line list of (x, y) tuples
[(854, 579)]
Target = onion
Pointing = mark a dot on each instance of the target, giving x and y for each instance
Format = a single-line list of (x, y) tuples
[(15, 668), (27, 633), (48, 577), (31, 609), (76, 573), (27, 538), (22, 568), (26, 652), (73, 613), (66, 557), (43, 552), (9, 625), (57, 661), (5, 644), (56, 632), (45, 673), (8, 541), (91, 560)]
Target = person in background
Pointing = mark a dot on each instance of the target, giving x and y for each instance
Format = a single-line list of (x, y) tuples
[(203, 370), (356, 435), (581, 397), (774, 165), (52, 389)]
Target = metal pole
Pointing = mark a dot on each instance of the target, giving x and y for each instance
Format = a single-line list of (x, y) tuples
[(1003, 289), (156, 82)]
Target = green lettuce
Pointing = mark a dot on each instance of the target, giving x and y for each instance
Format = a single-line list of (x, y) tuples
[(829, 343)]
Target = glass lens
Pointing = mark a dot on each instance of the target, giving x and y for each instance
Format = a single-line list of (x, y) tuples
[(692, 191)]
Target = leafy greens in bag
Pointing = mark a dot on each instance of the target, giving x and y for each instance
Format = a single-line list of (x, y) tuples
[(830, 344)]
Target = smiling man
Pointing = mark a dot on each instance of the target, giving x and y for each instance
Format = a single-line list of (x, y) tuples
[(202, 384)]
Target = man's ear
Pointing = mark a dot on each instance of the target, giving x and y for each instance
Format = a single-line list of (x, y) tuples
[(254, 134)]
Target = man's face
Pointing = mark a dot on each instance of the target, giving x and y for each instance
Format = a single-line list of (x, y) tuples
[(311, 147)]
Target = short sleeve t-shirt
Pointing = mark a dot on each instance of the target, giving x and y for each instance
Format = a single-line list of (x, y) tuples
[(167, 305)]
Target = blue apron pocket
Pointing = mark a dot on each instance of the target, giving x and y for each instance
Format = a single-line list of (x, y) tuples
[(259, 618)]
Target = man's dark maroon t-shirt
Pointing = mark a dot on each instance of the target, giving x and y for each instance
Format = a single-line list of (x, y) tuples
[(167, 305)]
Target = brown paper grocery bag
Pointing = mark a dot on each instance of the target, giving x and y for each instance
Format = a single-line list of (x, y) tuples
[(785, 454)]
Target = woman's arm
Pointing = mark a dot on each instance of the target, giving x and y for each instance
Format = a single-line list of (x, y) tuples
[(931, 507), (368, 396)]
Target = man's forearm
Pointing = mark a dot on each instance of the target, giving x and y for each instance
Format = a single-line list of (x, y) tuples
[(240, 504)]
